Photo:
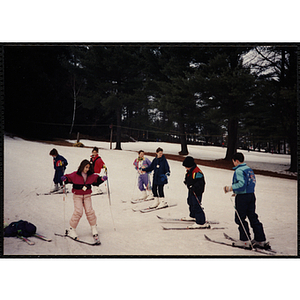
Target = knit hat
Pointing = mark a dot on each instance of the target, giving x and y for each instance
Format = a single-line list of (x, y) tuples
[(188, 162)]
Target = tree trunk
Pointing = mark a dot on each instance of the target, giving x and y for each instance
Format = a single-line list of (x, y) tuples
[(118, 138), (183, 142), (293, 147), (232, 138), (75, 101)]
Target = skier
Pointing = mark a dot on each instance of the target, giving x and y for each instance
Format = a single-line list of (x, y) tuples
[(97, 164), (143, 180), (82, 180), (161, 170), (60, 164), (97, 161), (243, 186), (194, 180)]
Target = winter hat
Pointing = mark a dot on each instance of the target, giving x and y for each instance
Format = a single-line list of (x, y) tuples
[(188, 162)]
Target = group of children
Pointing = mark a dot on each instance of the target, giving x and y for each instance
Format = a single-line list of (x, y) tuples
[(243, 187)]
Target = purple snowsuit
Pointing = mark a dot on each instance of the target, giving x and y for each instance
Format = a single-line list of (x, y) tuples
[(143, 181)]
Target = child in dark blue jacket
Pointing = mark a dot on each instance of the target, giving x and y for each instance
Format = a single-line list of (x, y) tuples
[(195, 182), (60, 164), (243, 186), (161, 171)]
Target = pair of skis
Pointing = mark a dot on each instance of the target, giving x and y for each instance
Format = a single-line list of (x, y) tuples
[(59, 192), (96, 243), (208, 223), (227, 237), (149, 209), (30, 242), (141, 200)]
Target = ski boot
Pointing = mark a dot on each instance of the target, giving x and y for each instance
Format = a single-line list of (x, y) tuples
[(162, 204), (156, 203), (261, 245), (242, 244), (196, 226), (72, 233), (95, 234)]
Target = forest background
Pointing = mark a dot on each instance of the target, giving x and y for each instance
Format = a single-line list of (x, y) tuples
[(230, 95)]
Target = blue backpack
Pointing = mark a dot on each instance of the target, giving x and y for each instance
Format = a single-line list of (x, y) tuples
[(21, 228)]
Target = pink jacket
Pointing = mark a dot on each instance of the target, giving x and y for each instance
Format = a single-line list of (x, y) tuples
[(81, 187)]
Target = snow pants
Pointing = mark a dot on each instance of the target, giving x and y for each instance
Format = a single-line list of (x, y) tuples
[(245, 206), (83, 202), (195, 208), (158, 190), (143, 182), (57, 176)]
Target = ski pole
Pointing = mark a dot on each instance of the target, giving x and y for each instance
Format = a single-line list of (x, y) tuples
[(108, 193), (241, 222), (135, 184), (64, 200), (197, 200)]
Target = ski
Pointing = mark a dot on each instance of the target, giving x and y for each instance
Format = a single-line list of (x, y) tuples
[(141, 200), (26, 240), (42, 237), (100, 193), (79, 241), (230, 245), (51, 193), (191, 228), (148, 209), (182, 220), (234, 240)]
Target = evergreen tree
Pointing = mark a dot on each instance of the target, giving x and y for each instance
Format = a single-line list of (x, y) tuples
[(36, 92), (114, 82), (174, 97), (277, 65), (227, 88)]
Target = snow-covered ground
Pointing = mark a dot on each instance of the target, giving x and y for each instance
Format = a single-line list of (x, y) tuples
[(28, 170), (257, 160)]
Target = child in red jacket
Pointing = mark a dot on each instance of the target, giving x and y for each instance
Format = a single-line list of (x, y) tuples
[(98, 164), (97, 161), (82, 180)]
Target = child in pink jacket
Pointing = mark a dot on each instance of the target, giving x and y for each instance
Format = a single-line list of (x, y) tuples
[(82, 180)]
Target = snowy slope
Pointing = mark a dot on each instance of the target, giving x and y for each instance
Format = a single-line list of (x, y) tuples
[(256, 160), (28, 169)]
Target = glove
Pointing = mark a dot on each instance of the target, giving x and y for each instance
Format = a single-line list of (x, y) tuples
[(168, 173), (105, 168), (63, 178), (227, 189), (104, 178), (191, 188)]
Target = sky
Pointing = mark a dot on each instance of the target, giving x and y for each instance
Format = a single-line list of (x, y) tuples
[(158, 21)]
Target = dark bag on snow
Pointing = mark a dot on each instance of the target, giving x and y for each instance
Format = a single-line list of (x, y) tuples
[(22, 228)]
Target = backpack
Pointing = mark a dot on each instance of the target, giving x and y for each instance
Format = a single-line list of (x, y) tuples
[(22, 228)]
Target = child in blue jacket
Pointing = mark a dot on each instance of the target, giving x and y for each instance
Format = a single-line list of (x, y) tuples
[(60, 164), (243, 186), (161, 170)]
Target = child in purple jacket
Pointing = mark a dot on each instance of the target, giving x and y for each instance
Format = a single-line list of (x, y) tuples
[(144, 183)]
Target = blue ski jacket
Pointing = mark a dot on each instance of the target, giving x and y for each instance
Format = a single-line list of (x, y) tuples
[(161, 170), (243, 181)]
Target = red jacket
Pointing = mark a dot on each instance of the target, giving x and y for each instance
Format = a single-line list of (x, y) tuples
[(79, 186), (98, 163)]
